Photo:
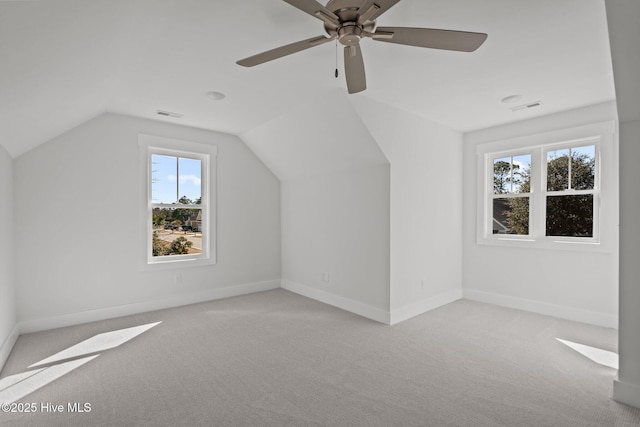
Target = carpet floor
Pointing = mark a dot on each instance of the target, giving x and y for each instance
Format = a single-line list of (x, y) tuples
[(278, 359)]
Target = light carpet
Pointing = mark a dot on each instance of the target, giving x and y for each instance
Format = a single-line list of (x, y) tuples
[(279, 359)]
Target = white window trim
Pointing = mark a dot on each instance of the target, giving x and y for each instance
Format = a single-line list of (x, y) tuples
[(150, 144), (603, 135)]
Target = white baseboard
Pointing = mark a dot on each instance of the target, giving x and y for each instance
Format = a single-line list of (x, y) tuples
[(428, 304), (7, 345), (563, 312), (36, 325), (626, 393), (346, 304)]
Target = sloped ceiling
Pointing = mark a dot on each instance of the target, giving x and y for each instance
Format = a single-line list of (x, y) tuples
[(296, 144), (65, 61)]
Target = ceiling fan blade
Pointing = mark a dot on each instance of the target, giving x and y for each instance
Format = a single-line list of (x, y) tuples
[(371, 9), (315, 9), (461, 41), (281, 51), (354, 69)]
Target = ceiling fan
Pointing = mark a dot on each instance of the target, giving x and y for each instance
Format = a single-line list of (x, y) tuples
[(351, 20)]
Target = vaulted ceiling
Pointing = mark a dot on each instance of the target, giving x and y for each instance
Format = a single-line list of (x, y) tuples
[(66, 61)]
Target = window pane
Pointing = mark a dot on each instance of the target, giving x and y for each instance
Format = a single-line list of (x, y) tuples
[(163, 179), (583, 167), (511, 216), (502, 175), (177, 231), (521, 176), (570, 215), (189, 183), (558, 170), (168, 187)]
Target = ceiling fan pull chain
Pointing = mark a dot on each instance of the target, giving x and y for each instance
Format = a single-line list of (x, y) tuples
[(336, 73)]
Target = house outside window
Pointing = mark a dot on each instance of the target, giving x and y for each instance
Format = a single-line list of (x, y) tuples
[(556, 190), (178, 202)]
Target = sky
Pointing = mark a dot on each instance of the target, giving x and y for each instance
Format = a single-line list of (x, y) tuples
[(167, 187), (523, 161)]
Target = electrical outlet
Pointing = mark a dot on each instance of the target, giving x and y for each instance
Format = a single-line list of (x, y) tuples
[(325, 276), (422, 284)]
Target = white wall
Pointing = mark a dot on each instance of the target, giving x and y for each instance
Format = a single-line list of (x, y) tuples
[(335, 204), (627, 388), (7, 286), (577, 285), (623, 17), (339, 216), (338, 223), (77, 226), (426, 207)]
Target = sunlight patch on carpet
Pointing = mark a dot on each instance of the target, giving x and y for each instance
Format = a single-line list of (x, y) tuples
[(97, 343), (598, 355), (15, 387), (30, 383), (11, 380)]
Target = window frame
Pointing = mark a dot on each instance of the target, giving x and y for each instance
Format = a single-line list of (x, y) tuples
[(154, 145), (595, 141), (492, 195), (605, 191)]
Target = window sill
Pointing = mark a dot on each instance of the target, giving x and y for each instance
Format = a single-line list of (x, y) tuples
[(547, 244), (176, 264)]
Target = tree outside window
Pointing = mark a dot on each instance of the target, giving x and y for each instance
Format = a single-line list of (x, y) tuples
[(569, 189), (511, 194)]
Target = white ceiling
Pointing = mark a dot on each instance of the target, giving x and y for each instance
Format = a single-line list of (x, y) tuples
[(293, 146), (66, 61)]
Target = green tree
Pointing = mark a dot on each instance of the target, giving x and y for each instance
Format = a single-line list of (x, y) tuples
[(567, 214), (180, 246), (516, 209), (159, 247), (501, 177), (518, 214), (504, 174), (158, 221), (571, 214), (184, 200)]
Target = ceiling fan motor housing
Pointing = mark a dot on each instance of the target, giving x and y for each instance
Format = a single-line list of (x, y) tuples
[(349, 32)]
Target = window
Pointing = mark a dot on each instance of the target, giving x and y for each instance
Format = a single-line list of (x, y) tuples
[(511, 196), (550, 193), (567, 183), (570, 192), (178, 201)]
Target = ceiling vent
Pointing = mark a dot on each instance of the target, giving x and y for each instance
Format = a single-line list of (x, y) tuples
[(168, 114), (526, 106)]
